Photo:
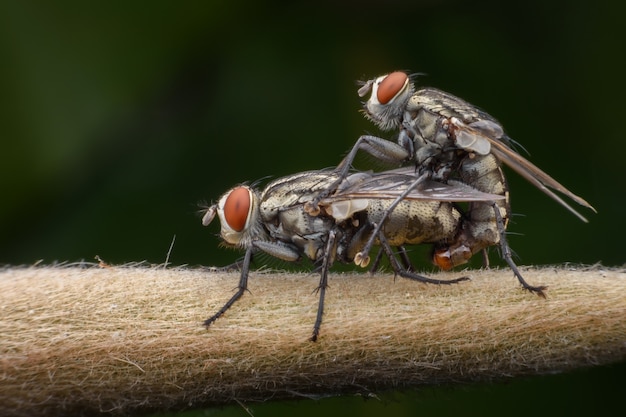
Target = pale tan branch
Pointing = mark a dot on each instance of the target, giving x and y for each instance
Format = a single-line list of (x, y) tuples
[(127, 339)]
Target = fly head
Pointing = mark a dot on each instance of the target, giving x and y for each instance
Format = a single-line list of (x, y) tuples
[(238, 213), (389, 96)]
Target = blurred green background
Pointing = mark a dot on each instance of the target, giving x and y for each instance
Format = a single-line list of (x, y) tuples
[(118, 118)]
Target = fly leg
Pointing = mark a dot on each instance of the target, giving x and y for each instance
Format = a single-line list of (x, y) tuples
[(485, 258), (404, 257), (380, 148), (242, 287), (506, 254), (362, 258), (235, 266), (327, 260), (376, 264), (408, 274)]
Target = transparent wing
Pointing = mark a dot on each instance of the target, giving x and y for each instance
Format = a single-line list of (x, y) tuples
[(537, 177), (392, 184), (483, 136)]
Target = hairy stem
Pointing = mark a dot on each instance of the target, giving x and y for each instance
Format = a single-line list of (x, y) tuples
[(130, 338)]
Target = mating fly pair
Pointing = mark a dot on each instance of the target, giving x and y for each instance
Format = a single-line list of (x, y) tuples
[(275, 221), (447, 144)]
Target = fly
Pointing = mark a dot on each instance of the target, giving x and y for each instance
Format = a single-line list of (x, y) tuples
[(448, 139), (274, 221)]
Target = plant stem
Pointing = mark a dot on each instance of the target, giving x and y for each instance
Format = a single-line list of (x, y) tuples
[(130, 338)]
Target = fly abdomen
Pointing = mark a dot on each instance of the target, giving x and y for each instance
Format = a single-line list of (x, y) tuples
[(414, 222), (480, 227)]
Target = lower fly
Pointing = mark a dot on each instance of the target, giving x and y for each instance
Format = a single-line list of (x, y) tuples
[(275, 221)]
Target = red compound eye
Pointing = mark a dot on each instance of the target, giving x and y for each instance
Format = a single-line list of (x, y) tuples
[(236, 208), (390, 86)]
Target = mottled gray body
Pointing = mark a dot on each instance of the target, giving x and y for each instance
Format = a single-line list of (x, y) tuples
[(449, 139), (428, 123), (282, 212), (276, 221)]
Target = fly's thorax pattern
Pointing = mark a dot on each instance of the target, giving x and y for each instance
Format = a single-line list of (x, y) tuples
[(283, 215), (432, 128), (434, 146), (446, 105), (436, 118), (285, 196), (312, 245), (295, 189), (296, 226)]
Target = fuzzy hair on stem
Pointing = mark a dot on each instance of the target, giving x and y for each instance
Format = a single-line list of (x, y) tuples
[(129, 339)]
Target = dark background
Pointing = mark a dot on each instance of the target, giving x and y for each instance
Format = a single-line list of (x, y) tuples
[(118, 118)]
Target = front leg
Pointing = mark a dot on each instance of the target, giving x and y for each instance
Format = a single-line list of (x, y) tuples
[(380, 148), (241, 288)]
